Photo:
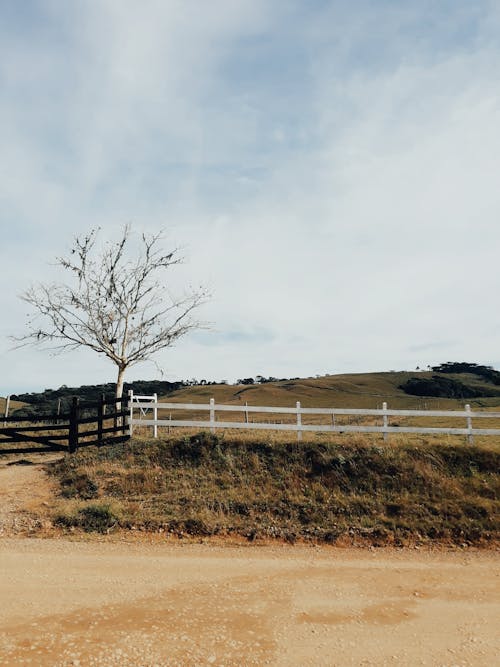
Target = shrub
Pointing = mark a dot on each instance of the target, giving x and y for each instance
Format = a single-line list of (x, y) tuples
[(91, 518), (76, 484)]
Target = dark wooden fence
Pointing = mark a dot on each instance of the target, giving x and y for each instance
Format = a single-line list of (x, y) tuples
[(97, 423)]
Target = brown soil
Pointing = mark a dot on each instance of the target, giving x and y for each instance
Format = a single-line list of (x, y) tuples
[(75, 603), (146, 603), (25, 490)]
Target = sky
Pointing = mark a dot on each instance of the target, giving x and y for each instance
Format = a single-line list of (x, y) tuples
[(329, 167)]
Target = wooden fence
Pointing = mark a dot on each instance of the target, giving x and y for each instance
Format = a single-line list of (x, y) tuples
[(89, 423), (382, 419)]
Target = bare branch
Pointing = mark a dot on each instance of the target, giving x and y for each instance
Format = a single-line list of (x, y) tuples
[(114, 302)]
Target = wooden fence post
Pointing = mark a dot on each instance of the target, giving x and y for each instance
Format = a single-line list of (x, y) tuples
[(470, 437), (100, 413), (299, 422), (384, 407), (74, 413), (123, 420)]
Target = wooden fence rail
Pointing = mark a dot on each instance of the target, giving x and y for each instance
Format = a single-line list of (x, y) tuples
[(66, 431), (143, 404)]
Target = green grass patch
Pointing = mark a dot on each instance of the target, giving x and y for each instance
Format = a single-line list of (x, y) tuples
[(93, 517)]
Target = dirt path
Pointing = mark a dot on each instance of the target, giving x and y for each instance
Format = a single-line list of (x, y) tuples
[(23, 489), (140, 604)]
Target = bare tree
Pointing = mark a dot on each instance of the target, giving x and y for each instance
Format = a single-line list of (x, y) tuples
[(113, 302)]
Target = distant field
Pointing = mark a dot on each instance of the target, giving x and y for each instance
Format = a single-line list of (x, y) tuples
[(361, 391), (14, 405), (355, 390), (358, 391)]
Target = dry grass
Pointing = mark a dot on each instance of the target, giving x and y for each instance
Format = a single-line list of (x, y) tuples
[(322, 437), (369, 390), (13, 405), (355, 390), (353, 489)]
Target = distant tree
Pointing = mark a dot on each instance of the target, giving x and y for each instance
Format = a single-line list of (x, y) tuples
[(441, 386), (113, 302), (246, 381), (261, 379), (486, 372)]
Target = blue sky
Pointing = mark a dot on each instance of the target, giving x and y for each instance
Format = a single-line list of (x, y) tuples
[(330, 167)]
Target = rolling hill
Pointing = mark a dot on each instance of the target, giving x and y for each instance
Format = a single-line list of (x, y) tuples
[(13, 406), (357, 390)]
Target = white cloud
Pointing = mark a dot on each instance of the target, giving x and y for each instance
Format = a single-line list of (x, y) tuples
[(346, 206)]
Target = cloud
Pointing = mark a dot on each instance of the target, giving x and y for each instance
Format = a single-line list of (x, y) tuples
[(331, 172)]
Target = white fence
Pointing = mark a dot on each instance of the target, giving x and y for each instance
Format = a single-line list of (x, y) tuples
[(145, 403)]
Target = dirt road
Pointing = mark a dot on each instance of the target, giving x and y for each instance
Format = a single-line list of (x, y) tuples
[(23, 490), (131, 604)]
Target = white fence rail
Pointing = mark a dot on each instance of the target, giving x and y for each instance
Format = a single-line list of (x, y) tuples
[(144, 403)]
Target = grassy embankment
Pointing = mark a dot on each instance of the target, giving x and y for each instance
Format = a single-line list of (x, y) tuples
[(332, 488), (352, 490)]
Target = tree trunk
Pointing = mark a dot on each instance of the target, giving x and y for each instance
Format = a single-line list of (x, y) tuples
[(119, 393), (119, 382)]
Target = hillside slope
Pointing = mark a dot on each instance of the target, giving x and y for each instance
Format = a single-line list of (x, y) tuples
[(13, 405), (356, 390)]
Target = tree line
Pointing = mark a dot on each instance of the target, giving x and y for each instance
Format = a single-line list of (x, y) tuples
[(448, 387)]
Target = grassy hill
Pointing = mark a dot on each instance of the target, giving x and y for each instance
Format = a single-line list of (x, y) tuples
[(356, 390), (14, 405)]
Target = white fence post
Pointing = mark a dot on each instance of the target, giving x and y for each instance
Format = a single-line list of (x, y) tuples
[(299, 422), (131, 411), (470, 437), (155, 416), (246, 412), (7, 403), (212, 415), (386, 421)]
